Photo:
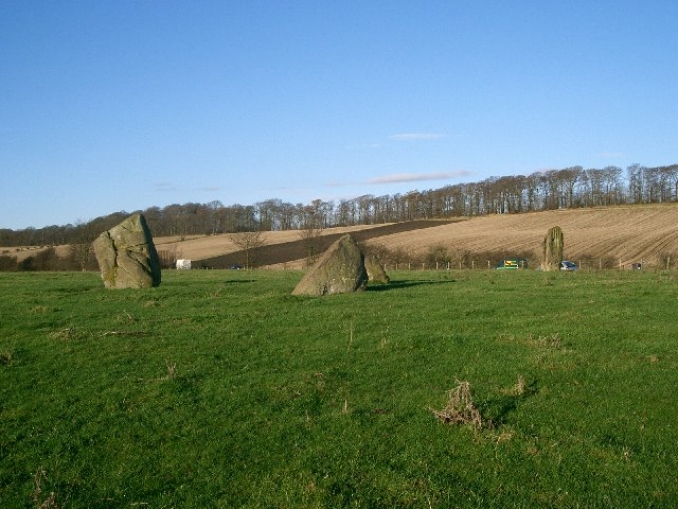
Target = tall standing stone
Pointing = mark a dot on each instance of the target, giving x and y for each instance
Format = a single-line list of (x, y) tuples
[(341, 269), (554, 244), (127, 256)]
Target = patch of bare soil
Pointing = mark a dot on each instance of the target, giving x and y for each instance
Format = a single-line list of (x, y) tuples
[(205, 247), (291, 253)]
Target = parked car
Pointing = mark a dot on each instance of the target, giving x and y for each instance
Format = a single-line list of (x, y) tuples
[(512, 264), (237, 267), (568, 265)]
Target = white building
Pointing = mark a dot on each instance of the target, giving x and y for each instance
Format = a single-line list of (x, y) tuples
[(183, 264)]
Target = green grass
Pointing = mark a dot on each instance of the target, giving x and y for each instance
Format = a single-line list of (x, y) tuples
[(220, 389)]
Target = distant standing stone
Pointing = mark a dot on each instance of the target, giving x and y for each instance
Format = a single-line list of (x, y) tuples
[(375, 270), (341, 269), (126, 255), (554, 243)]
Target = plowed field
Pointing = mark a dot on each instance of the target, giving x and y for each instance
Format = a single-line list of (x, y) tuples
[(625, 234)]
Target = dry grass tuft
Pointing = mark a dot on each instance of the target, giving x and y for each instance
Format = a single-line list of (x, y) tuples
[(123, 333), (460, 408), (519, 388), (40, 503), (554, 341), (64, 334), (171, 369), (125, 318)]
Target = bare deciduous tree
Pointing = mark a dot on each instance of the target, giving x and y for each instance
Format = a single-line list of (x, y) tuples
[(248, 242), (310, 236), (80, 251)]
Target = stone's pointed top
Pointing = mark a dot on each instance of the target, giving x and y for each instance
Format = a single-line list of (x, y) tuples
[(341, 269), (127, 256), (375, 270)]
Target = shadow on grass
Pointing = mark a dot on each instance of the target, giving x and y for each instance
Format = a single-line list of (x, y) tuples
[(396, 285), (497, 410)]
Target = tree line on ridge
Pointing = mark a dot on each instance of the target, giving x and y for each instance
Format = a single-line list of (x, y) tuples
[(573, 187)]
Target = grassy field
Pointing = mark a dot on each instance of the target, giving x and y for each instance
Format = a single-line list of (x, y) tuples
[(220, 389)]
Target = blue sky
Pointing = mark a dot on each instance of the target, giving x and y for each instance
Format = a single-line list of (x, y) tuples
[(126, 104)]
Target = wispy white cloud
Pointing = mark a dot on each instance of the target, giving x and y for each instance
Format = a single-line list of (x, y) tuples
[(396, 178), (416, 177), (416, 136)]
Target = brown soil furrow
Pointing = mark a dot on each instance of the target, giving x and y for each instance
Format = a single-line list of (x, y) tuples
[(289, 252)]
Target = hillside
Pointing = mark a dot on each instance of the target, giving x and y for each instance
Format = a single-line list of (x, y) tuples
[(624, 233)]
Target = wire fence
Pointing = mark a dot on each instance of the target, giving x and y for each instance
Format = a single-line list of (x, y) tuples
[(661, 262)]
